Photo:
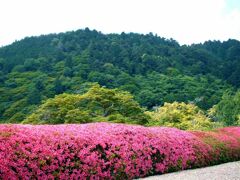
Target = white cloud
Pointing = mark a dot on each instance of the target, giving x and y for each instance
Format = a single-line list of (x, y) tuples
[(187, 21)]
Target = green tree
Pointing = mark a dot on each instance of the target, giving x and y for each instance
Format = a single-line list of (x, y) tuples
[(68, 72), (98, 104), (181, 115), (34, 96), (227, 110), (31, 64), (58, 86)]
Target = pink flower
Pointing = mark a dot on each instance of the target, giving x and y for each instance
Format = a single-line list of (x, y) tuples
[(109, 151)]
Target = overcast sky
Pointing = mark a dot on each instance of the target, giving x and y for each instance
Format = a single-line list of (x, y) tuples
[(187, 21)]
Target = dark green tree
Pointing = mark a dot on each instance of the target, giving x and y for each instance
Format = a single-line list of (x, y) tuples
[(58, 86), (34, 96)]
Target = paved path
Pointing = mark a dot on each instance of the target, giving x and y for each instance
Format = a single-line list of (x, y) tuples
[(227, 171)]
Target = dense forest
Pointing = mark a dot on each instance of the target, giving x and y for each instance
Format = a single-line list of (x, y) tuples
[(154, 69)]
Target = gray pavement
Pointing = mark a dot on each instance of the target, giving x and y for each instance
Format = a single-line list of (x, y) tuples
[(227, 171)]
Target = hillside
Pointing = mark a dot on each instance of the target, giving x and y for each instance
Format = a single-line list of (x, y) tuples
[(154, 69)]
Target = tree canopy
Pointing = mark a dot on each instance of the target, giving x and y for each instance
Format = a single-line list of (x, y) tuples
[(227, 110), (181, 115), (98, 104)]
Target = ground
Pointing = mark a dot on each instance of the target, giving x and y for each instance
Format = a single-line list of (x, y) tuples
[(227, 171)]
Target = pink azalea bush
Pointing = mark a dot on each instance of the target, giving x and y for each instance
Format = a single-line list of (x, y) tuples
[(225, 143), (109, 151)]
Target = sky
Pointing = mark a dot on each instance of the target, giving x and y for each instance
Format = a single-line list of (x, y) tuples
[(187, 21)]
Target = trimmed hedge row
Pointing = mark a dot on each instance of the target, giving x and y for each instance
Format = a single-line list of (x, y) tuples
[(109, 151)]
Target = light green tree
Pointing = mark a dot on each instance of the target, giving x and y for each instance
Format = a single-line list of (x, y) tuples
[(181, 115), (98, 104)]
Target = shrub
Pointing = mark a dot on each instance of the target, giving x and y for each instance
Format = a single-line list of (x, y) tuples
[(108, 151)]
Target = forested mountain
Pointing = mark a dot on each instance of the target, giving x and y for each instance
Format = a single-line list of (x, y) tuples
[(154, 69)]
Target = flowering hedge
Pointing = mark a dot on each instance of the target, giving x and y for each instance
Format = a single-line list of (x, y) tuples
[(109, 151)]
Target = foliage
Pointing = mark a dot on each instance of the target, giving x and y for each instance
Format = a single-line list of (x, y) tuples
[(181, 115), (228, 109), (154, 69), (109, 151), (204, 91), (98, 104)]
